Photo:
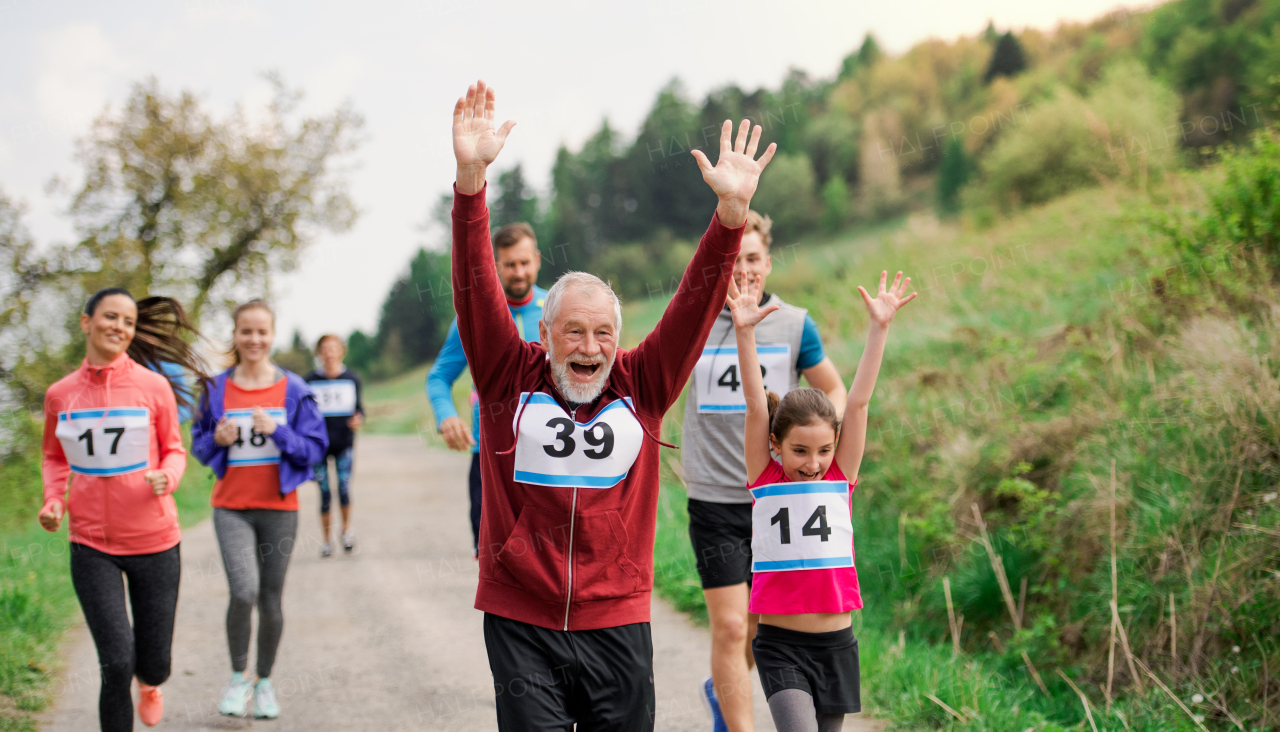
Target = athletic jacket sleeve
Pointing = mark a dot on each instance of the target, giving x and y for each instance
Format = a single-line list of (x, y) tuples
[(54, 468), (305, 441), (448, 367), (202, 429), (484, 320), (666, 357), (173, 456), (359, 394)]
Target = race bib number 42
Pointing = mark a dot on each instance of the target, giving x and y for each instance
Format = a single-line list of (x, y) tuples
[(337, 398), (554, 450), (719, 384), (801, 526), (251, 446), (103, 442)]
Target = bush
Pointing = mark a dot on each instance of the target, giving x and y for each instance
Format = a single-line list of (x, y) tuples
[(788, 195), (1119, 134), (835, 203)]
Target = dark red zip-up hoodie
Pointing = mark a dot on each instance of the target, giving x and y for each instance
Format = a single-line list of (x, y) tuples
[(559, 557)]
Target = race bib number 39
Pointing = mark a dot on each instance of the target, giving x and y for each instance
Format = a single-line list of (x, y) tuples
[(801, 526), (719, 384), (554, 450), (103, 442), (337, 398), (251, 446)]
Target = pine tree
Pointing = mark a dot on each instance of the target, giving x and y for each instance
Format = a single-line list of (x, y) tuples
[(955, 171), (1008, 58), (865, 57)]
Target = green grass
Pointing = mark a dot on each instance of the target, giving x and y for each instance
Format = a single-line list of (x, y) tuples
[(37, 601), (1035, 354)]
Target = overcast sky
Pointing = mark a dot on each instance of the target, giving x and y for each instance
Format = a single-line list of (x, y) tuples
[(559, 68)]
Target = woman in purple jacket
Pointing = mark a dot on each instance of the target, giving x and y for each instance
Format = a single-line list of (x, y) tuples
[(260, 430)]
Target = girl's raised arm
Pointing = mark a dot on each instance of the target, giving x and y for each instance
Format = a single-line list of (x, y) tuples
[(745, 306), (853, 434)]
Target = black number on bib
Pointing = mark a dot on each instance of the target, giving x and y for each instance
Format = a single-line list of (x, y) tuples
[(819, 517), (783, 517), (604, 441), (730, 378), (239, 438), (763, 371), (256, 438), (87, 436), (564, 436), (118, 432)]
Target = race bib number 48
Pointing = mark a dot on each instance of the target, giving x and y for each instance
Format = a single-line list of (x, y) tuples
[(251, 446), (337, 398), (801, 526), (554, 450), (104, 442), (719, 384)]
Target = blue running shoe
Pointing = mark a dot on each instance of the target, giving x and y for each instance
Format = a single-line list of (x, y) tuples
[(713, 706)]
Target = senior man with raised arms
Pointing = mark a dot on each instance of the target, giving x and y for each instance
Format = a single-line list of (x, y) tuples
[(570, 433)]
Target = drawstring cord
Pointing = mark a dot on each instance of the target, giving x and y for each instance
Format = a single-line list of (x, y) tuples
[(519, 416)]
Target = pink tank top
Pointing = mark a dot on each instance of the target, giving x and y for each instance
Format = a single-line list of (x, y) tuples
[(793, 592)]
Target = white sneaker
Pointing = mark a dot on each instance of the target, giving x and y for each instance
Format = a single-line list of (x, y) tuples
[(348, 541), (264, 700), (326, 550), (236, 696)]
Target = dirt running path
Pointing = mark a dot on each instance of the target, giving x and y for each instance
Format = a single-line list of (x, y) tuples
[(384, 639)]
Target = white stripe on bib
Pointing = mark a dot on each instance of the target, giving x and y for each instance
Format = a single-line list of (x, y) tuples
[(554, 450), (106, 442), (801, 526)]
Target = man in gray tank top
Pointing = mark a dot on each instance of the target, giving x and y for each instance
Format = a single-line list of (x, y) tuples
[(714, 470)]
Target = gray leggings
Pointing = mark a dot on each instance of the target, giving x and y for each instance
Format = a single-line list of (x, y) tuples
[(792, 711), (256, 545)]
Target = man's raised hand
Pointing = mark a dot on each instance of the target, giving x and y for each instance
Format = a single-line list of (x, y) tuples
[(736, 172), (476, 142)]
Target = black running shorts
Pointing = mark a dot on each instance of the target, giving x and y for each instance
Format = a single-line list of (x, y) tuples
[(548, 680), (825, 665), (721, 538)]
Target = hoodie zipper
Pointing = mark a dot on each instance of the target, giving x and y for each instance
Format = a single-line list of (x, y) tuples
[(568, 598)]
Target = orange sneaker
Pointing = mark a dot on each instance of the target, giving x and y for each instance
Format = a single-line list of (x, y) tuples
[(150, 704)]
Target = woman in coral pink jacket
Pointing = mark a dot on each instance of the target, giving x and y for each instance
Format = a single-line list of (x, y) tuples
[(113, 456)]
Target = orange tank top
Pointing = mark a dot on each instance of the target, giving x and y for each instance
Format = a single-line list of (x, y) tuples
[(252, 479)]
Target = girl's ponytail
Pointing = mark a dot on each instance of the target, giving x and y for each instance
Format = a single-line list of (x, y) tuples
[(772, 399), (159, 339)]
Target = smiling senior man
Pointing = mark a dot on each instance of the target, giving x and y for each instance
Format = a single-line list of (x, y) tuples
[(569, 430)]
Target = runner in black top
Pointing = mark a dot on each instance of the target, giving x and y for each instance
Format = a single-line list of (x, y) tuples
[(338, 392)]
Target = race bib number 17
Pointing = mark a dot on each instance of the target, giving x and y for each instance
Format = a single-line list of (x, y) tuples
[(801, 526), (251, 446), (719, 384), (104, 442)]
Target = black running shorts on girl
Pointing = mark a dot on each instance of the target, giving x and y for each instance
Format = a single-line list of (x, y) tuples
[(823, 664)]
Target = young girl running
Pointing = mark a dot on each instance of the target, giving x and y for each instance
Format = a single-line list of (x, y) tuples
[(804, 581), (337, 389), (111, 426), (260, 430)]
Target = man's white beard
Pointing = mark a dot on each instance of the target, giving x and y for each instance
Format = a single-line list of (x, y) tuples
[(573, 391)]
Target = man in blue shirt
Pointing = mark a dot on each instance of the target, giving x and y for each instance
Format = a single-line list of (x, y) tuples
[(516, 251)]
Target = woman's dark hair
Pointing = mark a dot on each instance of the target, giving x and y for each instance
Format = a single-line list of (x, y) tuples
[(256, 303), (158, 338), (798, 408)]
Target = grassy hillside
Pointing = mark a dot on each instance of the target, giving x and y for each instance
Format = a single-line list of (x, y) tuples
[(1039, 352)]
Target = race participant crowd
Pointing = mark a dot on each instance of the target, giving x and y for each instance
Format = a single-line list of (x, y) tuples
[(565, 439)]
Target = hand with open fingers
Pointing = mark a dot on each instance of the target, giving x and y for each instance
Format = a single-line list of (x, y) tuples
[(744, 305), (476, 142), (158, 480), (262, 422), (737, 171), (51, 515), (887, 303)]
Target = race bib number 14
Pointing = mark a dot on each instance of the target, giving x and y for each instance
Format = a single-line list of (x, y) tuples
[(104, 442), (251, 446), (719, 384), (554, 450), (801, 526)]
